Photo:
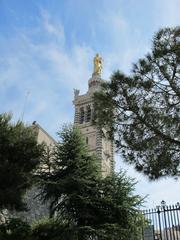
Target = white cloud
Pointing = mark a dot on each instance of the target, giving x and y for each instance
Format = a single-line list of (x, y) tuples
[(51, 27), (50, 73), (125, 41), (114, 22)]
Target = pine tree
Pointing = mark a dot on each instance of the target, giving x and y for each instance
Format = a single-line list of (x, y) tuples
[(117, 209), (89, 206), (142, 110), (72, 179), (19, 157)]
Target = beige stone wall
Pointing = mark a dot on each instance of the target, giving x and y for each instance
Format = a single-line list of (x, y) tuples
[(43, 136), (98, 144), (89, 133)]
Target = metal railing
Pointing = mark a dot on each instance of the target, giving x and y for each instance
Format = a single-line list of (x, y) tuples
[(165, 221)]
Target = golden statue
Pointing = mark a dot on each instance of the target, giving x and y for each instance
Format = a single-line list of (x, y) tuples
[(98, 64)]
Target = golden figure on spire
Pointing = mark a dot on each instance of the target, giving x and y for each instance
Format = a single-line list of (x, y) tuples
[(98, 64)]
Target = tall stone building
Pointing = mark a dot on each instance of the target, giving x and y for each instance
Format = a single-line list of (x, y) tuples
[(97, 142)]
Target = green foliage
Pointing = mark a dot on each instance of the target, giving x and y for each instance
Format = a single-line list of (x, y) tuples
[(117, 214), (15, 229), (91, 207), (53, 229), (19, 157), (72, 178), (141, 111)]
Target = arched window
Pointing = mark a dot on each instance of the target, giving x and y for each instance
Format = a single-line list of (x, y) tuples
[(88, 113), (81, 120)]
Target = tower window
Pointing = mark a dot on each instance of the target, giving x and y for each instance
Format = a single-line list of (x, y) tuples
[(81, 115), (88, 113), (87, 140)]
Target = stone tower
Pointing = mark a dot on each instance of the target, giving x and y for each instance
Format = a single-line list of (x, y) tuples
[(97, 143)]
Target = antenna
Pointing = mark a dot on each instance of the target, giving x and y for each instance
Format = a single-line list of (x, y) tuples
[(25, 103)]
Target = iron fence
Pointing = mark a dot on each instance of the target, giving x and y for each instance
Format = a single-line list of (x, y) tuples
[(165, 221)]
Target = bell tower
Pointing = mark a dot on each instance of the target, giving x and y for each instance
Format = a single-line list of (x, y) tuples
[(98, 144)]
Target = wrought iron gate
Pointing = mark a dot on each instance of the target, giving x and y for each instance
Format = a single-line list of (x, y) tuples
[(165, 221)]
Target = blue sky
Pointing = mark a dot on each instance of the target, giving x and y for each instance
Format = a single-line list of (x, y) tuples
[(46, 50)]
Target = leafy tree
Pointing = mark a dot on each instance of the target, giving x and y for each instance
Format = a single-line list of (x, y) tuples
[(88, 206), (14, 229), (52, 228), (142, 111), (72, 178), (19, 157), (117, 209)]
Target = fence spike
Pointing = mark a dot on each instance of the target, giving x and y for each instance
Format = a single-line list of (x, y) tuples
[(164, 219)]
